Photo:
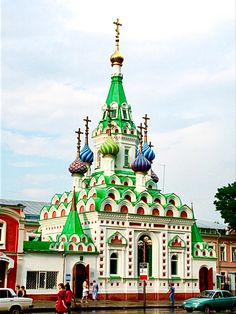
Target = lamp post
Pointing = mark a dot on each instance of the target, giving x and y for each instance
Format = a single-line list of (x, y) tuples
[(143, 245)]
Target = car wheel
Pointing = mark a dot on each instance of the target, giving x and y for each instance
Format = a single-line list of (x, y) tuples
[(15, 310), (189, 310), (207, 309)]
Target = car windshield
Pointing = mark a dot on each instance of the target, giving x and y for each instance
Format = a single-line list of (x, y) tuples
[(206, 294)]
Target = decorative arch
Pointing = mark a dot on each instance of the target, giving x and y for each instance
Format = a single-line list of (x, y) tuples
[(127, 181), (177, 242), (89, 206), (113, 191), (82, 194), (93, 182), (111, 202), (174, 200), (131, 194), (117, 239), (101, 179), (145, 195), (144, 249), (114, 180), (92, 192)]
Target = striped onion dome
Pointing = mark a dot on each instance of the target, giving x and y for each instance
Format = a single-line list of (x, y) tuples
[(109, 147), (154, 176), (78, 166), (141, 164), (148, 152), (86, 155)]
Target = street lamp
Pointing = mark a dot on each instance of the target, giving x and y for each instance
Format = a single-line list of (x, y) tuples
[(143, 244)]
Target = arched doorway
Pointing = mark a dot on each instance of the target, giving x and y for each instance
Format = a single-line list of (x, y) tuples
[(3, 267), (80, 274), (205, 278), (145, 252)]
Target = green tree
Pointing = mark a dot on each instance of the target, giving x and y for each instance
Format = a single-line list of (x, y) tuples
[(226, 203)]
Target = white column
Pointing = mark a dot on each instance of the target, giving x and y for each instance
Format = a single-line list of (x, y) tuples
[(108, 165), (77, 181), (140, 181)]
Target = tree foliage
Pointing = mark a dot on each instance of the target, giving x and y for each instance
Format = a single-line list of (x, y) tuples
[(226, 203)]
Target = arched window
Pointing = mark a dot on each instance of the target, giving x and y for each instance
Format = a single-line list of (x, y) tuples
[(144, 199), (169, 213), (140, 211), (107, 208), (157, 200), (80, 248), (54, 214), (63, 212), (126, 183), (111, 195), (45, 216), (113, 181), (124, 209), (90, 248), (71, 247), (3, 229), (145, 252), (184, 214), (172, 202), (81, 209), (113, 264), (57, 202), (174, 265), (128, 198), (91, 207), (155, 212), (73, 239)]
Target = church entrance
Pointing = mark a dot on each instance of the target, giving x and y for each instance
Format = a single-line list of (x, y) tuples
[(3, 266), (205, 278), (80, 274)]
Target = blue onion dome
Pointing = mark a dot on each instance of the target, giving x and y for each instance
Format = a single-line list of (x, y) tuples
[(78, 166), (141, 164), (109, 147), (86, 155), (148, 152), (154, 177)]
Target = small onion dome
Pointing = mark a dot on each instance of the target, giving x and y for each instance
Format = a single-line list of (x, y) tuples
[(148, 152), (86, 155), (78, 166), (154, 177), (141, 164), (116, 58), (109, 147)]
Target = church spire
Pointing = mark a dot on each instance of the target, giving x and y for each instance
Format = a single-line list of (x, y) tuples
[(116, 58)]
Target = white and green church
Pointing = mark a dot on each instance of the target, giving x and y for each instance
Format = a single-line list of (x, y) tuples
[(115, 223)]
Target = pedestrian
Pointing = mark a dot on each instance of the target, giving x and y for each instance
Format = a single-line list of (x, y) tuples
[(95, 290), (24, 293), (172, 294), (18, 291), (69, 297), (85, 292), (61, 303)]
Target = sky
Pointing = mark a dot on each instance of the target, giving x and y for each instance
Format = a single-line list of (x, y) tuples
[(179, 68)]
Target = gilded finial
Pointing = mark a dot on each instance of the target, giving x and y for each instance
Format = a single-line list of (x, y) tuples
[(116, 58)]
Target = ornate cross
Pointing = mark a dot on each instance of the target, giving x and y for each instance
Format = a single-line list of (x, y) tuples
[(150, 145), (78, 141), (141, 138), (145, 127), (86, 129), (117, 33)]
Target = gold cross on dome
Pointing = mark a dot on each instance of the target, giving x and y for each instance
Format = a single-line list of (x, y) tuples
[(117, 33)]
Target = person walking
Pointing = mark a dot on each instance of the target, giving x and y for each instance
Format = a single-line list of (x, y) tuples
[(69, 297), (18, 291), (85, 292), (95, 290), (24, 293), (61, 303), (172, 294)]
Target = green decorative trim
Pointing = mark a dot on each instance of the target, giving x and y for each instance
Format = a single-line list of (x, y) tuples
[(115, 277)]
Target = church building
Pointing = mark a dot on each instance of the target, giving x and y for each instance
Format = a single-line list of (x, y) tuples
[(115, 225)]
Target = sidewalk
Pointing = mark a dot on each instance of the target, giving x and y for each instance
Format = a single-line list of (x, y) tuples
[(49, 306)]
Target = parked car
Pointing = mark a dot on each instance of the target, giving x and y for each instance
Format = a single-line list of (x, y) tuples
[(9, 302), (208, 300)]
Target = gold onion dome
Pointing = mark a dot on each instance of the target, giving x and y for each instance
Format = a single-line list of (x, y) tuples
[(109, 147), (117, 58)]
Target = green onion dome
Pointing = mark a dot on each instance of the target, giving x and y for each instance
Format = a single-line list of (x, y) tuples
[(109, 147)]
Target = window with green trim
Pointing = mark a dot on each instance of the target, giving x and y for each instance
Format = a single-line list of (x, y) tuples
[(126, 157), (174, 265), (114, 264), (125, 114), (113, 113)]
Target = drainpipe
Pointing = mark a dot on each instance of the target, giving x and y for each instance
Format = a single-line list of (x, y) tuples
[(63, 267)]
